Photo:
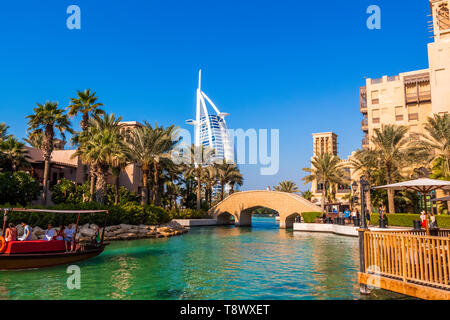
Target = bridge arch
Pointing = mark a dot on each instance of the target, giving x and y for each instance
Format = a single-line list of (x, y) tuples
[(241, 204)]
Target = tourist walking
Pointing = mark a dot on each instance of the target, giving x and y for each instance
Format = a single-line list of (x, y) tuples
[(423, 219), (347, 216), (433, 224), (11, 233), (354, 217)]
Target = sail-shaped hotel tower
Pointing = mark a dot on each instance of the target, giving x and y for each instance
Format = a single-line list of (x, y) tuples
[(210, 126)]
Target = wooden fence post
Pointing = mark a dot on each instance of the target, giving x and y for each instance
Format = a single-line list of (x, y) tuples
[(363, 289)]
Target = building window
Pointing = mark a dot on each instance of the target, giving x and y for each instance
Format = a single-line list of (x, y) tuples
[(399, 117), (375, 97), (443, 16), (413, 116)]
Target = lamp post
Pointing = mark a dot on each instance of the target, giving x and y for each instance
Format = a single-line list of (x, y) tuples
[(363, 187)]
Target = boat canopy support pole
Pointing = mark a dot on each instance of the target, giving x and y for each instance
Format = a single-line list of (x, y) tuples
[(5, 219)]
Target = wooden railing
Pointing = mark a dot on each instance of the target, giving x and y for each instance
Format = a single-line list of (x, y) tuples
[(404, 255)]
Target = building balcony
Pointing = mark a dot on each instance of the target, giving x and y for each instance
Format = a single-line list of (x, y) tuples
[(365, 143), (363, 99), (364, 125), (424, 96)]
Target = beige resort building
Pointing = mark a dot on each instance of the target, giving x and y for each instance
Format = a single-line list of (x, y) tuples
[(64, 166), (409, 98)]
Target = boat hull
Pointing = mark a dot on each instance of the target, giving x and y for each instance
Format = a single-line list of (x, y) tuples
[(31, 261)]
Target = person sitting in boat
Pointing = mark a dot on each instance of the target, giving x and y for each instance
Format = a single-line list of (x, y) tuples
[(69, 232), (26, 232), (49, 233), (60, 233), (11, 233)]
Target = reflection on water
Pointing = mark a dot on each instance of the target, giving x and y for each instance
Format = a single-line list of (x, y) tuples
[(258, 262)]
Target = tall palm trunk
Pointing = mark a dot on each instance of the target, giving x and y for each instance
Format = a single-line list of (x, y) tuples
[(101, 184), (92, 173), (391, 203), (222, 187), (46, 178), (144, 191), (199, 187), (156, 194), (324, 196), (47, 151)]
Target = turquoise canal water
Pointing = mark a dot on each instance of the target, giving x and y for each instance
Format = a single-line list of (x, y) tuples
[(258, 262)]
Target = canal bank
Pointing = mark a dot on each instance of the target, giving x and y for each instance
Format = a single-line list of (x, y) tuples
[(224, 262), (346, 230)]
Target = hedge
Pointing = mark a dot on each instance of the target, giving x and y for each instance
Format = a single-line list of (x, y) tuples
[(406, 219), (129, 213), (310, 217)]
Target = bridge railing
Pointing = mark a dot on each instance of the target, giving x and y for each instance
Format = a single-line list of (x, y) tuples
[(409, 257)]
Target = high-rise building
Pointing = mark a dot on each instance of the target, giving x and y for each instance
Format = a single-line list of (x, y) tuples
[(210, 126), (410, 98)]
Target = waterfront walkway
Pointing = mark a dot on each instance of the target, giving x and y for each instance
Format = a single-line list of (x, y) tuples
[(343, 230)]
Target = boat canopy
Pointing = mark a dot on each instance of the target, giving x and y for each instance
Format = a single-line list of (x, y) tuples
[(52, 211)]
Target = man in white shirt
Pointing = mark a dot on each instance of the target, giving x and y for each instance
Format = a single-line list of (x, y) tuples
[(26, 232), (49, 233)]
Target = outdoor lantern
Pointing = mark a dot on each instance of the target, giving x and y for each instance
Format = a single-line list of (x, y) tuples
[(354, 186), (365, 185)]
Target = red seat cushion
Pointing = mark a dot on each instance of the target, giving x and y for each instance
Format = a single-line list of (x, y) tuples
[(35, 246)]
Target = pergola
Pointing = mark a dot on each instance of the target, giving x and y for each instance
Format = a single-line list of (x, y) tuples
[(422, 185)]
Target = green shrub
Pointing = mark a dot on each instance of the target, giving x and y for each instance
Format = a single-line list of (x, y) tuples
[(310, 217), (18, 187), (67, 191), (129, 213), (406, 220), (188, 214)]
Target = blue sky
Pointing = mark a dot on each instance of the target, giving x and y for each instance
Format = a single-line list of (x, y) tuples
[(285, 64)]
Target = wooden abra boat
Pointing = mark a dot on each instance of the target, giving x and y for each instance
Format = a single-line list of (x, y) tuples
[(41, 253)]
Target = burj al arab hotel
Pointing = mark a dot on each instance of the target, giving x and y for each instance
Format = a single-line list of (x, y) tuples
[(210, 126)]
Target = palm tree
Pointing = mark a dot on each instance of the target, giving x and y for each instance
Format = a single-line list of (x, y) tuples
[(13, 154), (45, 120), (227, 172), (4, 131), (118, 163), (326, 169), (210, 177), (151, 147), (199, 157), (86, 104), (103, 146), (287, 186), (394, 153), (236, 179), (307, 195), (436, 142), (366, 163)]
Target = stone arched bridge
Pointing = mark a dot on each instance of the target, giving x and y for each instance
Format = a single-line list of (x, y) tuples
[(240, 205)]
